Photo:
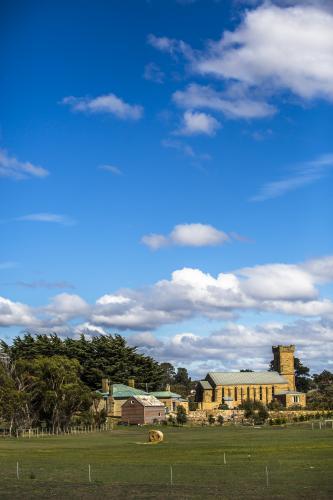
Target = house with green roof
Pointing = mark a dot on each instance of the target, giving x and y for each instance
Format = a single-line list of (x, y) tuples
[(115, 395)]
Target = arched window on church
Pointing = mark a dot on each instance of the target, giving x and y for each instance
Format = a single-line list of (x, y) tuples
[(242, 394), (248, 392), (229, 393), (254, 394), (273, 391), (236, 394), (267, 394), (222, 392), (260, 393)]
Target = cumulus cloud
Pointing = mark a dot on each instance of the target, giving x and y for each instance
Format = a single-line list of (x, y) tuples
[(278, 48), (236, 346), (301, 176), (12, 168), (282, 48), (15, 313), (193, 235), (47, 217), (108, 103), (287, 289), (290, 289), (195, 123), (64, 307)]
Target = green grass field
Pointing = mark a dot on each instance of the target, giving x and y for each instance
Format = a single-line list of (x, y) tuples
[(299, 463)]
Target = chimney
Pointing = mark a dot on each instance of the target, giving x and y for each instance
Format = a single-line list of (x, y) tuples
[(105, 385), (131, 382), (167, 387)]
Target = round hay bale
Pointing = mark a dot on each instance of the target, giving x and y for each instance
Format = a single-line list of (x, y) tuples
[(155, 436)]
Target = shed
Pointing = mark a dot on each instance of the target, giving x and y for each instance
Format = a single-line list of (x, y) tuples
[(142, 409)]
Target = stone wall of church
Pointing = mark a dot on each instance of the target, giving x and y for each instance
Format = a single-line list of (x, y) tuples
[(239, 393)]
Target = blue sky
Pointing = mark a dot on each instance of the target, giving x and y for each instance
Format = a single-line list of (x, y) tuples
[(140, 139)]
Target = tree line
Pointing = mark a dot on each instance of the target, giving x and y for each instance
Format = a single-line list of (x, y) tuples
[(50, 380)]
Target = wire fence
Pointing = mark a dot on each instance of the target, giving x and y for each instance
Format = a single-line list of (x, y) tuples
[(247, 473)]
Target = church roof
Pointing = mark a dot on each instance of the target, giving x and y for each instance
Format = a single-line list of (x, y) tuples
[(205, 384), (239, 378)]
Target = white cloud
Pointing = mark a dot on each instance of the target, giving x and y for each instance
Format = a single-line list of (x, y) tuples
[(237, 346), (290, 289), (281, 288), (108, 103), (301, 176), (15, 169), (111, 168), (195, 123), (155, 241), (47, 217), (15, 313), (279, 48), (153, 73), (283, 48), (193, 235), (66, 306), (278, 282), (197, 235), (232, 104)]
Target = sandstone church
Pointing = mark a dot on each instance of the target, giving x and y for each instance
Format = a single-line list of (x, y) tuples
[(232, 388)]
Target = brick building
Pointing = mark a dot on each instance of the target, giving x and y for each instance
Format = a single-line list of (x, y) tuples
[(143, 409)]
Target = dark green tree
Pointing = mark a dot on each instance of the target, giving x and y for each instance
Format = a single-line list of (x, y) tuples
[(321, 397), (303, 379), (181, 416), (169, 374), (103, 356), (182, 377)]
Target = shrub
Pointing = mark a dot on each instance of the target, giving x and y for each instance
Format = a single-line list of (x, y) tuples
[(255, 411), (220, 419), (211, 419), (181, 415), (172, 419)]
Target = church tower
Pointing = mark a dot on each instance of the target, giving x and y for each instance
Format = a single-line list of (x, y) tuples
[(284, 363)]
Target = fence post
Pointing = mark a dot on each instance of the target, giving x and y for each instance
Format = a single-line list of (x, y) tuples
[(89, 473), (17, 471), (171, 476), (267, 476), (224, 459)]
